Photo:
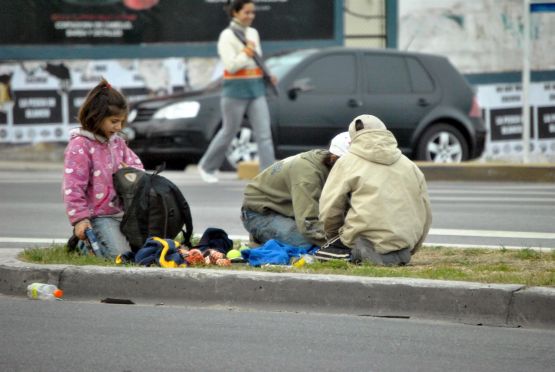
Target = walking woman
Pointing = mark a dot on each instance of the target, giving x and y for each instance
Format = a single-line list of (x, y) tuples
[(243, 91)]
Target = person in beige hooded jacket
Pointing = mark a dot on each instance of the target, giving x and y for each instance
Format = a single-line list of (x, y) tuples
[(374, 205)]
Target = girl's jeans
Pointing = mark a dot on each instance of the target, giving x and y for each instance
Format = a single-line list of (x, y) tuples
[(110, 238)]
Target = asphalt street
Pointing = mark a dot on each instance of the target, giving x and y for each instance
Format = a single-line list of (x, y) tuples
[(464, 213), (84, 336)]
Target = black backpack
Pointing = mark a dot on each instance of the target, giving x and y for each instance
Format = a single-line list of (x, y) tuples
[(153, 206)]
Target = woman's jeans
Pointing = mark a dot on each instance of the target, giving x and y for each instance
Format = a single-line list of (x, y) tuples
[(233, 111), (110, 238), (264, 227)]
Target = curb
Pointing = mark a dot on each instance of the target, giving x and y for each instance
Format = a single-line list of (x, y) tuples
[(433, 172), (458, 172), (488, 172), (507, 305)]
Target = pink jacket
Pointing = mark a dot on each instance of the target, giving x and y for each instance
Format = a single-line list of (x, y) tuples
[(90, 161)]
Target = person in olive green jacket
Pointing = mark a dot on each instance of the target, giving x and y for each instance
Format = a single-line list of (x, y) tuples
[(375, 205), (282, 202)]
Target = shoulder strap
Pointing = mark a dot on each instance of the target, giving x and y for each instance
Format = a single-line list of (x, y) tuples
[(257, 58), (184, 206)]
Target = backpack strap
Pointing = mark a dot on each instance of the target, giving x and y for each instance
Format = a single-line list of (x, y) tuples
[(184, 206), (138, 210)]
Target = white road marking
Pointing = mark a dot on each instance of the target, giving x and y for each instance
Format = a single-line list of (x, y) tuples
[(435, 232), (32, 240), (547, 193), (491, 199), (492, 233), (483, 246)]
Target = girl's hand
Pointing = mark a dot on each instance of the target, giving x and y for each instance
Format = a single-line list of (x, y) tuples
[(80, 227)]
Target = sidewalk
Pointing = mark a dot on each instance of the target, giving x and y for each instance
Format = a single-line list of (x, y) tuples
[(462, 302)]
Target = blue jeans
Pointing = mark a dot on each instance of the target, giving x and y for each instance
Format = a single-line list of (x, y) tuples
[(271, 225), (110, 238)]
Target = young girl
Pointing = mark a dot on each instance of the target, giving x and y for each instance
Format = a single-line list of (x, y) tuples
[(95, 152)]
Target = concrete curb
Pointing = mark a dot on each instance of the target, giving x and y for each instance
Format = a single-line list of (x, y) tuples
[(434, 172), (459, 172), (472, 303), (489, 172)]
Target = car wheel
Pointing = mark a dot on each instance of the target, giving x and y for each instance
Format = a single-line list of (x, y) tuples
[(242, 148), (442, 143)]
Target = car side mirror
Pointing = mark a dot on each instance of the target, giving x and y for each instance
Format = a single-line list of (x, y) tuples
[(301, 85)]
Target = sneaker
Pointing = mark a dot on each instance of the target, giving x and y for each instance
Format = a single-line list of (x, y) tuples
[(333, 253), (333, 250), (206, 176)]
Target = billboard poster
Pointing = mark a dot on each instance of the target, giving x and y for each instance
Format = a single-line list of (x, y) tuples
[(502, 112), (139, 22), (546, 122), (506, 124)]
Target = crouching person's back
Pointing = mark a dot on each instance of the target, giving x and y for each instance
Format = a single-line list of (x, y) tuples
[(374, 205)]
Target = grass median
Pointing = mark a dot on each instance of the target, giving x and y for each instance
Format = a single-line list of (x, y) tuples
[(526, 266)]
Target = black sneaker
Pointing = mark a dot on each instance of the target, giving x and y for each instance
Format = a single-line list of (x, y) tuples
[(333, 250)]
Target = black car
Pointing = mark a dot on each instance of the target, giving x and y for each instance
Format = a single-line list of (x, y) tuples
[(422, 99)]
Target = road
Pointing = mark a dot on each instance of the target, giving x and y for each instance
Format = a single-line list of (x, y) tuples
[(81, 336), (496, 214)]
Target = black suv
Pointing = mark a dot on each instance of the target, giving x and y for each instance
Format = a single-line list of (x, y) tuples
[(422, 99)]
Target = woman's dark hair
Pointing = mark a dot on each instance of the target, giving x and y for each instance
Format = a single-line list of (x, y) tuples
[(101, 102), (234, 6)]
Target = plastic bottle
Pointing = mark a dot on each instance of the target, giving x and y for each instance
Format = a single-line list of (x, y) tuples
[(305, 259), (93, 242), (41, 291)]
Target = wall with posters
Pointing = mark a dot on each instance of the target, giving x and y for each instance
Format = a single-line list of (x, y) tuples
[(45, 97), (502, 112), (479, 36)]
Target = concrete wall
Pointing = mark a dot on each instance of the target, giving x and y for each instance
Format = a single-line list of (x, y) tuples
[(365, 23)]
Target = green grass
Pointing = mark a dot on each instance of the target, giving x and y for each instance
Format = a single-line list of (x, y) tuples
[(526, 266)]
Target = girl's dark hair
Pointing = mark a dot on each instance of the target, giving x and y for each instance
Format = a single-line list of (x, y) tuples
[(233, 6), (101, 102)]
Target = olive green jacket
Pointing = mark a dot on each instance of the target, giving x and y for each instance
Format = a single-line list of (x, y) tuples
[(292, 187)]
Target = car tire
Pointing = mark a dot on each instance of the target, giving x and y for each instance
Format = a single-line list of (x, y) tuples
[(242, 148), (442, 143)]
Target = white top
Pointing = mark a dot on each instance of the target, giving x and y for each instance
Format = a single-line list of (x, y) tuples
[(230, 49)]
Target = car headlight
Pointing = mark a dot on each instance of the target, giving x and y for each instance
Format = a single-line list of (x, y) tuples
[(181, 110), (132, 115), (128, 133)]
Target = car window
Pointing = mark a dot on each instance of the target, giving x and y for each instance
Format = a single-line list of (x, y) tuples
[(330, 74), (280, 65), (421, 81), (386, 74)]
